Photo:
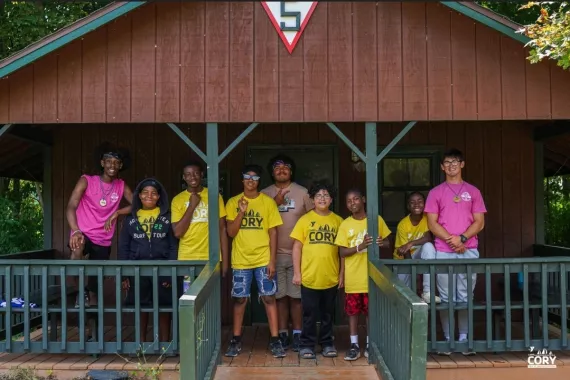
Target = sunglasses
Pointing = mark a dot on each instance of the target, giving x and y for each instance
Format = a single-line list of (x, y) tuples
[(252, 177)]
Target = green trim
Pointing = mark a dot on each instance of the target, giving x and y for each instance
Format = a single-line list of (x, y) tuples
[(5, 129), (69, 37), (506, 30)]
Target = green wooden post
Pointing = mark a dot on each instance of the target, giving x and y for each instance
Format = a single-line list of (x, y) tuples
[(213, 191), (372, 190)]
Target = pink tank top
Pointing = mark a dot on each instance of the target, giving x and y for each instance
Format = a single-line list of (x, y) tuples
[(100, 200)]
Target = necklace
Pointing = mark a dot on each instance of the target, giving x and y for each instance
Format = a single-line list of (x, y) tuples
[(103, 200), (456, 198)]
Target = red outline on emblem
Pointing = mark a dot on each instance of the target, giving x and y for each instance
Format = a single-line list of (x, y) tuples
[(290, 47)]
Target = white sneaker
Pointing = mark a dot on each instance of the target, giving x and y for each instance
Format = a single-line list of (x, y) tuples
[(426, 298), (467, 353)]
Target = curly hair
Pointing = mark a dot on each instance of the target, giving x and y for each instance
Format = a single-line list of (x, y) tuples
[(252, 168), (106, 147), (195, 163), (286, 159), (322, 186)]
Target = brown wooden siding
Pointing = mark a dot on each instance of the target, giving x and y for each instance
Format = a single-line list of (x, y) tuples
[(224, 62), (498, 158)]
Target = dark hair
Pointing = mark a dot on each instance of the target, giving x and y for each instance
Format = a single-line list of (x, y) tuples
[(106, 147), (322, 186), (452, 153), (252, 168), (416, 193), (150, 182), (355, 190), (286, 159), (196, 163)]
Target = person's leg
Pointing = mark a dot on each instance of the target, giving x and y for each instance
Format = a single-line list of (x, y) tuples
[(267, 289), (310, 304), (327, 306), (405, 278), (241, 287), (79, 254), (464, 293), (426, 252), (295, 307), (97, 252), (442, 287), (352, 307), (282, 300)]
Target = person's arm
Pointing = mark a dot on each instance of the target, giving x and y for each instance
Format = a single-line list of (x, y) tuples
[(128, 195), (341, 273), (124, 242), (181, 226), (345, 251), (77, 237), (476, 227), (172, 245), (426, 238), (224, 246), (297, 250), (436, 228), (272, 251), (234, 225)]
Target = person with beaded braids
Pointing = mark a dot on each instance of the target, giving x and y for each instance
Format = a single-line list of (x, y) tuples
[(93, 209)]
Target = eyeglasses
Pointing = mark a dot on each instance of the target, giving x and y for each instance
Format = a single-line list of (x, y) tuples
[(453, 162), (252, 177), (322, 196)]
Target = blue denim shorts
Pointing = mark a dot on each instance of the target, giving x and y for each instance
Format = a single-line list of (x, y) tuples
[(241, 282)]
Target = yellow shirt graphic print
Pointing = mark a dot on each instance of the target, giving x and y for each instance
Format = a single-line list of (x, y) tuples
[(147, 218), (194, 243), (320, 261), (250, 247), (350, 234), (407, 232)]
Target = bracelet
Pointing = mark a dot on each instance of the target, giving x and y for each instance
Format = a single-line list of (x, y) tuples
[(357, 249), (76, 231)]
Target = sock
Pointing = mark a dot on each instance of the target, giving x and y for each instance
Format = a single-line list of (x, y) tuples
[(274, 339), (237, 338), (462, 336), (285, 331), (367, 340), (354, 339), (296, 332)]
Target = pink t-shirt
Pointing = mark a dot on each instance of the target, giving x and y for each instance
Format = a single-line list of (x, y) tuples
[(455, 217), (91, 216)]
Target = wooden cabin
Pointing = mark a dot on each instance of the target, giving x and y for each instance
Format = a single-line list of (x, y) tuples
[(457, 70)]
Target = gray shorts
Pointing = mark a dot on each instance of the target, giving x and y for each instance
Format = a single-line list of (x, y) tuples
[(285, 286)]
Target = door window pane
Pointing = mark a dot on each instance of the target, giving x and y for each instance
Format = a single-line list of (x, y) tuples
[(419, 169), (395, 172)]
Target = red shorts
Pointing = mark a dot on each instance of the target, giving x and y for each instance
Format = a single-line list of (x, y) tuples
[(356, 303)]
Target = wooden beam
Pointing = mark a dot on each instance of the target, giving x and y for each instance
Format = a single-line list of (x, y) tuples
[(554, 130)]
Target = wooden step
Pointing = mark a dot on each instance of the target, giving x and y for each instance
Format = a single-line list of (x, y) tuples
[(294, 373)]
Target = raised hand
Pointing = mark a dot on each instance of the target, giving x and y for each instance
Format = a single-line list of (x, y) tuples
[(280, 197), (195, 200), (243, 203)]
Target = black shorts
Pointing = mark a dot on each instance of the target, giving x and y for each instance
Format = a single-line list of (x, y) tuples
[(95, 252), (146, 291)]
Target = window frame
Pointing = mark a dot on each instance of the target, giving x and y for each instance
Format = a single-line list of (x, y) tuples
[(432, 152)]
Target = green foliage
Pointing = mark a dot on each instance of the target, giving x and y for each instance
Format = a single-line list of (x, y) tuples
[(25, 22), (512, 10), (21, 219), (557, 218)]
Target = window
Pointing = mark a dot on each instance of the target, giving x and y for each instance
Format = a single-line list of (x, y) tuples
[(403, 171)]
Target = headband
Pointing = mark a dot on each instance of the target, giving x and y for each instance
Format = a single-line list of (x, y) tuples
[(112, 155), (280, 162), (150, 182)]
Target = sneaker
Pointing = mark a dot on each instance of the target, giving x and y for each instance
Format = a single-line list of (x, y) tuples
[(284, 338), (426, 298), (467, 353), (296, 342), (277, 349), (86, 297), (444, 353), (234, 349), (353, 353), (366, 352)]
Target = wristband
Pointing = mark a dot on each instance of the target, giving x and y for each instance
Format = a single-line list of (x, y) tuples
[(76, 231), (357, 249)]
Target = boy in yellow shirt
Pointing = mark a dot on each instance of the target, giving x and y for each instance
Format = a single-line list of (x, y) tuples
[(353, 241), (317, 268), (253, 218), (414, 241)]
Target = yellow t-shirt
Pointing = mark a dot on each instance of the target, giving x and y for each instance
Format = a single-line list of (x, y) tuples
[(320, 262), (350, 234), (407, 232), (250, 247), (147, 218), (194, 243)]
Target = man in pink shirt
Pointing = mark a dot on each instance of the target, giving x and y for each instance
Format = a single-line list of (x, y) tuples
[(455, 211), (293, 202)]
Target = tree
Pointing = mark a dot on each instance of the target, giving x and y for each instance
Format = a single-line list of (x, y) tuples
[(550, 33)]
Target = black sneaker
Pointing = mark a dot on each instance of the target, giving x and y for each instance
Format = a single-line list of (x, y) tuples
[(284, 338), (296, 342), (353, 353), (234, 349), (277, 349)]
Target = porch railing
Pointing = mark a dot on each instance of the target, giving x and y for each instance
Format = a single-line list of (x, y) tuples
[(109, 327), (397, 331), (200, 332), (18, 285), (520, 312), (554, 279)]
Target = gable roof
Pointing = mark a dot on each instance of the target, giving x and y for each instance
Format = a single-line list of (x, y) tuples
[(119, 8)]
